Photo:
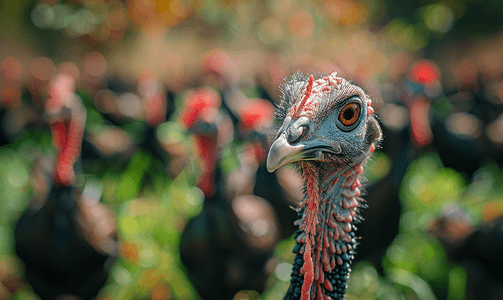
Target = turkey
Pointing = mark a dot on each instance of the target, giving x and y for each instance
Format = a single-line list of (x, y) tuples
[(384, 194), (65, 238), (454, 122), (477, 249), (132, 121), (252, 177), (328, 130), (226, 247)]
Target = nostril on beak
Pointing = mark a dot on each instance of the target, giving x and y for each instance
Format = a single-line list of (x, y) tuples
[(297, 134)]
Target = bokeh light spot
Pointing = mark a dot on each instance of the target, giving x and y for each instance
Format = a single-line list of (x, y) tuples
[(464, 124), (425, 72), (302, 24), (282, 271), (130, 226), (121, 275), (18, 177), (42, 16), (61, 16), (270, 31), (439, 18), (260, 227)]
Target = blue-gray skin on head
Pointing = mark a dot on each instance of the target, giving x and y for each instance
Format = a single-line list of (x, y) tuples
[(315, 131)]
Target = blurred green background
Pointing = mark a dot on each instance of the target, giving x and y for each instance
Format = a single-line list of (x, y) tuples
[(375, 42)]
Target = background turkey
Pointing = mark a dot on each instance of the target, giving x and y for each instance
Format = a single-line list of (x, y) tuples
[(282, 189), (383, 195), (65, 238), (224, 248), (475, 248)]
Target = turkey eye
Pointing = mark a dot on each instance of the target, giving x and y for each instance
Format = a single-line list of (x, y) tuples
[(349, 114)]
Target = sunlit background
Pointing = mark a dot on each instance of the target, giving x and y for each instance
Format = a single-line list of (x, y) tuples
[(435, 70)]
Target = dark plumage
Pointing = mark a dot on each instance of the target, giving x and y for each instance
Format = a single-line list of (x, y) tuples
[(269, 188), (59, 259), (460, 122), (477, 249), (252, 177), (225, 247), (328, 130), (66, 242), (383, 195)]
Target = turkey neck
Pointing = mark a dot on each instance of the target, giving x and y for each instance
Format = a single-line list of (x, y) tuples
[(207, 146), (67, 137), (325, 238), (68, 148)]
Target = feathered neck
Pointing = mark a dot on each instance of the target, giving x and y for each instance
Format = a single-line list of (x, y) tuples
[(326, 239)]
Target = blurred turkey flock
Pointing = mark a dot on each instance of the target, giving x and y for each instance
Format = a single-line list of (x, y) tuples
[(133, 139)]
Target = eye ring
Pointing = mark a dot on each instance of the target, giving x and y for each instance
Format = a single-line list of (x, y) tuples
[(350, 114)]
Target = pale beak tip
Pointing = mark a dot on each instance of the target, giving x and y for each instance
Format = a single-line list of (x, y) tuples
[(270, 167), (272, 159), (282, 153)]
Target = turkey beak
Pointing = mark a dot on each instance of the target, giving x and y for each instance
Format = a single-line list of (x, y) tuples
[(282, 153)]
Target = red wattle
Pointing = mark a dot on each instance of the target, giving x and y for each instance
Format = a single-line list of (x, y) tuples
[(59, 135), (421, 131), (207, 152), (308, 271), (312, 222), (66, 139)]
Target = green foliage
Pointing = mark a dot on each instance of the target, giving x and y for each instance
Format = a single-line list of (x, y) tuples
[(428, 186), (457, 283), (377, 167)]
